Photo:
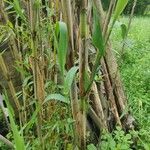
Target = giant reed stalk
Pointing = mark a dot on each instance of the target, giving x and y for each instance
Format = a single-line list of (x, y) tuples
[(5, 72), (67, 12), (82, 72), (37, 75)]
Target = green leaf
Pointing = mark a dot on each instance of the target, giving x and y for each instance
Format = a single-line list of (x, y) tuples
[(69, 79), (62, 39), (19, 141), (97, 37), (91, 147), (121, 4), (57, 97), (124, 31), (18, 9)]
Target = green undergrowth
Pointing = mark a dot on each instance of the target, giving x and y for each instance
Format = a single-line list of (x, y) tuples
[(134, 65)]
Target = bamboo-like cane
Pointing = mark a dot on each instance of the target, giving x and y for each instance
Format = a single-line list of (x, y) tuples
[(9, 82), (6, 141), (39, 93), (82, 71)]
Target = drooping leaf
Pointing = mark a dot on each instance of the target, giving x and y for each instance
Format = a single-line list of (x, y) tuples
[(121, 4), (19, 141), (124, 31), (62, 40), (69, 79), (97, 38), (57, 97)]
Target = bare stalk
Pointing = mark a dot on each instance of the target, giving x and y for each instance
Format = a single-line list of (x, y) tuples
[(82, 69), (109, 93), (129, 24), (7, 142), (108, 16), (98, 107), (37, 74), (122, 50), (9, 82), (111, 64), (12, 42), (67, 13), (75, 110)]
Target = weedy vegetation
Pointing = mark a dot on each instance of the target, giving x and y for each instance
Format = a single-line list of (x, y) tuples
[(61, 82)]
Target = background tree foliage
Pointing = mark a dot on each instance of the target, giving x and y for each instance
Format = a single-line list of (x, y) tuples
[(140, 8)]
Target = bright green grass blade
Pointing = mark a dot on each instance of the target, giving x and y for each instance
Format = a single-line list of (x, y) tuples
[(121, 4), (57, 97), (19, 141), (62, 37), (69, 79)]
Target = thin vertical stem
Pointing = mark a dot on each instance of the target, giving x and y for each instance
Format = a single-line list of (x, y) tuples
[(82, 69), (108, 16), (129, 24)]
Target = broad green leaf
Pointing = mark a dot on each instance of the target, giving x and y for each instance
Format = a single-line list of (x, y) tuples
[(91, 147), (97, 37), (19, 141), (57, 97), (62, 39), (69, 79), (121, 4), (124, 31)]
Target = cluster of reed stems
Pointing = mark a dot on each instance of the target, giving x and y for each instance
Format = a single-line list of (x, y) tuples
[(47, 40)]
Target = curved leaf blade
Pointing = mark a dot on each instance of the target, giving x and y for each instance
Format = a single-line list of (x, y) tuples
[(57, 97), (69, 79), (18, 139), (121, 4), (62, 38)]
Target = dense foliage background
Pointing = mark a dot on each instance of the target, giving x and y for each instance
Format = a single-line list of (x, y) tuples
[(140, 9)]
